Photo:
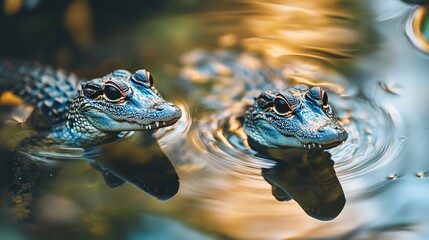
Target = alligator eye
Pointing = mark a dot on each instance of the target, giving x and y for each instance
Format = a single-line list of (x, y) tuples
[(92, 90), (150, 79), (112, 93), (143, 76), (324, 98), (319, 95), (265, 101), (281, 106)]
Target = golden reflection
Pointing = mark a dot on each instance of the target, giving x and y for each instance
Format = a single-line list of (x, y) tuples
[(11, 7), (228, 40), (8, 98), (314, 29), (78, 22), (417, 21), (285, 29), (233, 194)]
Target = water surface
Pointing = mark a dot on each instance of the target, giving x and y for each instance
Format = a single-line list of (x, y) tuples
[(358, 51)]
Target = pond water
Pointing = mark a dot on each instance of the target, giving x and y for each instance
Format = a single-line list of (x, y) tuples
[(370, 56)]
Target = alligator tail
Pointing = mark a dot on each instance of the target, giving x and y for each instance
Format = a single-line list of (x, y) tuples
[(48, 90)]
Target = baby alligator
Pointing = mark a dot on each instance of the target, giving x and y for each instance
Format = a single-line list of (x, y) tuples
[(298, 117), (75, 113), (89, 113)]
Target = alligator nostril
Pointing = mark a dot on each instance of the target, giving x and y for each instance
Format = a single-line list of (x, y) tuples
[(327, 127), (159, 107), (322, 129)]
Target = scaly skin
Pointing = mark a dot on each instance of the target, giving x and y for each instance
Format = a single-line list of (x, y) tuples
[(116, 103), (81, 113), (302, 117), (75, 113), (298, 117)]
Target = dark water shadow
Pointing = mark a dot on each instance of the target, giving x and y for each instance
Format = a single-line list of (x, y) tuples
[(142, 163), (26, 180), (308, 177)]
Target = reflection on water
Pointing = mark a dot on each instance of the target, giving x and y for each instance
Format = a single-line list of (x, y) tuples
[(286, 30), (308, 177), (417, 28), (143, 164), (219, 172)]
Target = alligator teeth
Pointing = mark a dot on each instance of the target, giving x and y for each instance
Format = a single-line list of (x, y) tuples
[(157, 124), (320, 146), (150, 127), (163, 123), (309, 146), (314, 145)]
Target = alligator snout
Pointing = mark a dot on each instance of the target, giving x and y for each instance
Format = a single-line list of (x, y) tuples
[(166, 105), (332, 132), (328, 127), (166, 112)]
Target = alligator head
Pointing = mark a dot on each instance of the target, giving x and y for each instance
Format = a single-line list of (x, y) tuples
[(122, 101), (297, 117)]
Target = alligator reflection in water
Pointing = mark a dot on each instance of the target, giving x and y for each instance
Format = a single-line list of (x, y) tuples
[(217, 147), (308, 177), (144, 165), (149, 170)]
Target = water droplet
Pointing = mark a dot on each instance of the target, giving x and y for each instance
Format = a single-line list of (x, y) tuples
[(403, 138), (368, 131), (421, 174), (393, 177), (392, 88)]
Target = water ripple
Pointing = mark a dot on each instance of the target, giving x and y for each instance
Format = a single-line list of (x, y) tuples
[(372, 143)]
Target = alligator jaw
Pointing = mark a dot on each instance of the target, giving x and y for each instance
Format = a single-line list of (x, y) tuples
[(153, 125), (160, 124), (320, 146)]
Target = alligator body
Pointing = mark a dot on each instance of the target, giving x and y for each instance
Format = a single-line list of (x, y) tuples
[(279, 117), (73, 113), (298, 117), (89, 113), (260, 108)]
